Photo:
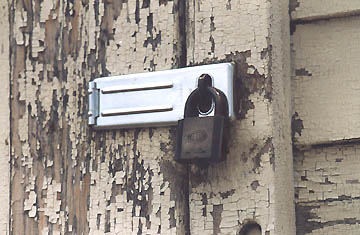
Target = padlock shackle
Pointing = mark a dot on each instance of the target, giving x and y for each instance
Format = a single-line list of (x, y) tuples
[(219, 98)]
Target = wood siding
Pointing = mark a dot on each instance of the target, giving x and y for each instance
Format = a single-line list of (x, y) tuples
[(325, 81)]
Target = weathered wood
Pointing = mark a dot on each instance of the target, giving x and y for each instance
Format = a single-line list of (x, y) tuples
[(325, 95), (325, 81), (67, 178), (255, 182), (305, 10), (328, 190), (4, 118)]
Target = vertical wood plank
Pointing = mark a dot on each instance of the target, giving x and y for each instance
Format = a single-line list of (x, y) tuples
[(67, 178), (255, 183), (4, 118)]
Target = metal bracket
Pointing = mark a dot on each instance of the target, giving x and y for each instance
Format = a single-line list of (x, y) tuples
[(151, 99), (93, 103)]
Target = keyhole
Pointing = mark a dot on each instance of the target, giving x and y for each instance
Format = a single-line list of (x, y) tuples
[(206, 103), (251, 228)]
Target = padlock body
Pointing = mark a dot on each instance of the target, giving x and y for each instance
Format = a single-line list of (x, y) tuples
[(200, 139)]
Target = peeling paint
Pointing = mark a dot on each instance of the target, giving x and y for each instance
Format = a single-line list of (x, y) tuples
[(224, 196), (5, 140), (216, 214), (71, 179), (296, 125), (327, 189), (67, 178), (293, 4), (325, 103)]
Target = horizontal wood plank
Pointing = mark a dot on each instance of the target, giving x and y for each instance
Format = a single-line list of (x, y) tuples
[(328, 190), (326, 81), (303, 10)]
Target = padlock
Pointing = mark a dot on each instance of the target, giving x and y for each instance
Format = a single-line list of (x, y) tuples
[(202, 139)]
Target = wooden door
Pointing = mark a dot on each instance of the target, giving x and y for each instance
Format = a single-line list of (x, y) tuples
[(69, 179)]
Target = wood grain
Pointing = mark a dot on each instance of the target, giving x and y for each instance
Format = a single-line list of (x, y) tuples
[(67, 178)]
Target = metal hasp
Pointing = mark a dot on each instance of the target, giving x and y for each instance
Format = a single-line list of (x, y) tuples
[(153, 98)]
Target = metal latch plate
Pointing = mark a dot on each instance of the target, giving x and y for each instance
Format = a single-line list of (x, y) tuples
[(151, 99)]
